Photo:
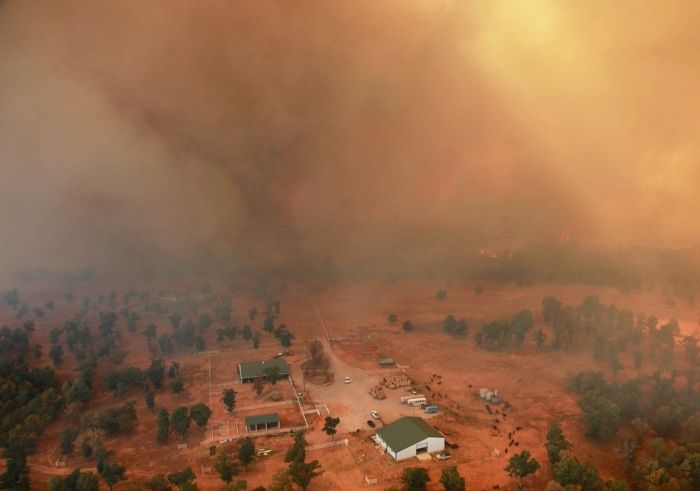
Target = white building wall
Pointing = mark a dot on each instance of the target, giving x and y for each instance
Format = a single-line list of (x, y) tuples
[(434, 445)]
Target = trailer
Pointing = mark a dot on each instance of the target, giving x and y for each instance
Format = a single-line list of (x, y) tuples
[(417, 401), (431, 409), (386, 362), (405, 399)]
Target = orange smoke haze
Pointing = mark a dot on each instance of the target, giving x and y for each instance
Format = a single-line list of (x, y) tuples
[(150, 136)]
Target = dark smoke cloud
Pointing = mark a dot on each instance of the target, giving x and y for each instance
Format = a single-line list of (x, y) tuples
[(159, 135)]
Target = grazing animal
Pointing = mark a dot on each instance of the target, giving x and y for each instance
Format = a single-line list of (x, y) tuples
[(510, 434), (506, 450), (494, 427), (470, 386), (518, 428), (439, 382), (517, 443)]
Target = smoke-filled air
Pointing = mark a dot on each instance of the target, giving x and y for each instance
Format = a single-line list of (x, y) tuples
[(336, 136)]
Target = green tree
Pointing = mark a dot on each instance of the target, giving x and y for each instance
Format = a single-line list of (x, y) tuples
[(303, 472), (272, 374), (87, 481), (200, 413), (451, 480), (330, 425), (556, 443), (180, 421), (393, 318), (68, 436), (570, 472), (441, 295), (163, 426), (407, 326), (150, 399), (298, 450), (246, 452), (540, 338), (56, 354), (177, 385), (252, 313), (156, 373), (256, 341), (112, 473), (281, 481), (521, 465), (228, 397), (226, 468), (247, 332), (158, 483), (183, 477), (415, 478)]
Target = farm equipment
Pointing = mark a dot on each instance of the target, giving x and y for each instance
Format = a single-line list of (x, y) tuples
[(491, 396)]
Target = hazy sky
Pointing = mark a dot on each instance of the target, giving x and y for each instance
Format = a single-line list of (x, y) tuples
[(147, 134)]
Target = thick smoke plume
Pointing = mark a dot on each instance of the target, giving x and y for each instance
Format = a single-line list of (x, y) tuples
[(323, 135)]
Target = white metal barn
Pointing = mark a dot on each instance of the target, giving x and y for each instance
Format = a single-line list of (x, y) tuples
[(409, 436)]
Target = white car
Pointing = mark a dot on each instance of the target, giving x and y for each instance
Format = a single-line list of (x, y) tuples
[(348, 380), (375, 414)]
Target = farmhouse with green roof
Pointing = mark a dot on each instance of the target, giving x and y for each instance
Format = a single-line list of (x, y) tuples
[(249, 371), (408, 436)]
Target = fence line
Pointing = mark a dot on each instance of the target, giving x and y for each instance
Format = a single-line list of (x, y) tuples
[(336, 443)]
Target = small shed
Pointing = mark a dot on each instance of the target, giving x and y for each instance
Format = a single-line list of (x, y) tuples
[(261, 422), (249, 371)]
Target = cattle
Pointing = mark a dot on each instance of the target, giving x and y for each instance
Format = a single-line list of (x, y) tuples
[(518, 428), (494, 427), (517, 443)]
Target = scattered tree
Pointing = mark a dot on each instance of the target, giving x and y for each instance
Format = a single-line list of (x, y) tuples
[(180, 421), (200, 413), (246, 452), (228, 397), (163, 426), (451, 480), (521, 465), (415, 478), (330, 426), (226, 468)]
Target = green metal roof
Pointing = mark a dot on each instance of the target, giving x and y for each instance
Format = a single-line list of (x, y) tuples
[(405, 432), (255, 369), (262, 419)]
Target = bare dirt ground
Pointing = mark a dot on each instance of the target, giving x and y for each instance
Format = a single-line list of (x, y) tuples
[(352, 322)]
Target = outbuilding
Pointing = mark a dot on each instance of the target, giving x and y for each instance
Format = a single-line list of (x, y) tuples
[(409, 436), (261, 422), (249, 371)]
